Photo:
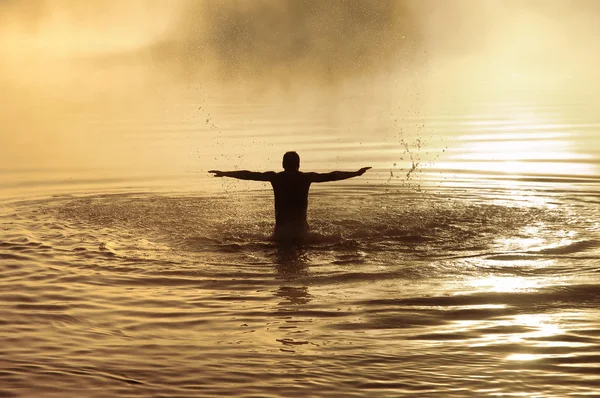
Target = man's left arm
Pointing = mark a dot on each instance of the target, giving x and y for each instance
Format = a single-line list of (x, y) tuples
[(336, 175)]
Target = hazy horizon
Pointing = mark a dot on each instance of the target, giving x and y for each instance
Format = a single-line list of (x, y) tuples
[(73, 72)]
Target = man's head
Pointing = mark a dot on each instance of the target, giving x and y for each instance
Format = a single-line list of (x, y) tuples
[(291, 161)]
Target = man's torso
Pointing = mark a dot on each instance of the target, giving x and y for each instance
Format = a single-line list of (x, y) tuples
[(291, 200)]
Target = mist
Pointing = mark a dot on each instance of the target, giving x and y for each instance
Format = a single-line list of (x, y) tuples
[(301, 39), (71, 72)]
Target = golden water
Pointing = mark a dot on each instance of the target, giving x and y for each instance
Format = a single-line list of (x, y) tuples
[(465, 263)]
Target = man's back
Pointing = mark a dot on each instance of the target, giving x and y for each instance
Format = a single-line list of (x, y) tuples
[(291, 203)]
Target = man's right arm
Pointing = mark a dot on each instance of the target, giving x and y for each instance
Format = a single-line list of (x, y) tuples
[(336, 175), (245, 175)]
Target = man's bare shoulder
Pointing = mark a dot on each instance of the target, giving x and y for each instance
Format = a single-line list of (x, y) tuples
[(292, 176)]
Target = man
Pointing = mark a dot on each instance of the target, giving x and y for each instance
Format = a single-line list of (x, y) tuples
[(291, 193)]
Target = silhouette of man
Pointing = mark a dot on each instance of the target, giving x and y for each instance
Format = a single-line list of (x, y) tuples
[(291, 193)]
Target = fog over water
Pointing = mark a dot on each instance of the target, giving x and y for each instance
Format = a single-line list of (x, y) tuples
[(73, 71)]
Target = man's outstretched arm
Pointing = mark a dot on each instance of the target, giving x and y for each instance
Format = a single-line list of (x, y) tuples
[(336, 175), (245, 175)]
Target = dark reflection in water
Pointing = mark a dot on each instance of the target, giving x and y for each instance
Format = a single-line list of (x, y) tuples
[(291, 259), (294, 295), (292, 263)]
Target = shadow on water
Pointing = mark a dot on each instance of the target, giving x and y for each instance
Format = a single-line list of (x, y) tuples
[(291, 260), (292, 263)]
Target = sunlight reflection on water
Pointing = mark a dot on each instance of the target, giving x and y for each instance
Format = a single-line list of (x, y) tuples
[(506, 284), (523, 357)]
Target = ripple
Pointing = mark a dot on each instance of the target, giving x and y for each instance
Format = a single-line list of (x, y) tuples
[(182, 295)]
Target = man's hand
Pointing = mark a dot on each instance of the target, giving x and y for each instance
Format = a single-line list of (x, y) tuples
[(362, 171), (217, 173)]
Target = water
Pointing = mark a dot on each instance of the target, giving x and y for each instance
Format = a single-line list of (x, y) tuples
[(466, 263), (449, 291)]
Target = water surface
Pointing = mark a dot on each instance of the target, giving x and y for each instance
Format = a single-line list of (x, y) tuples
[(465, 263)]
